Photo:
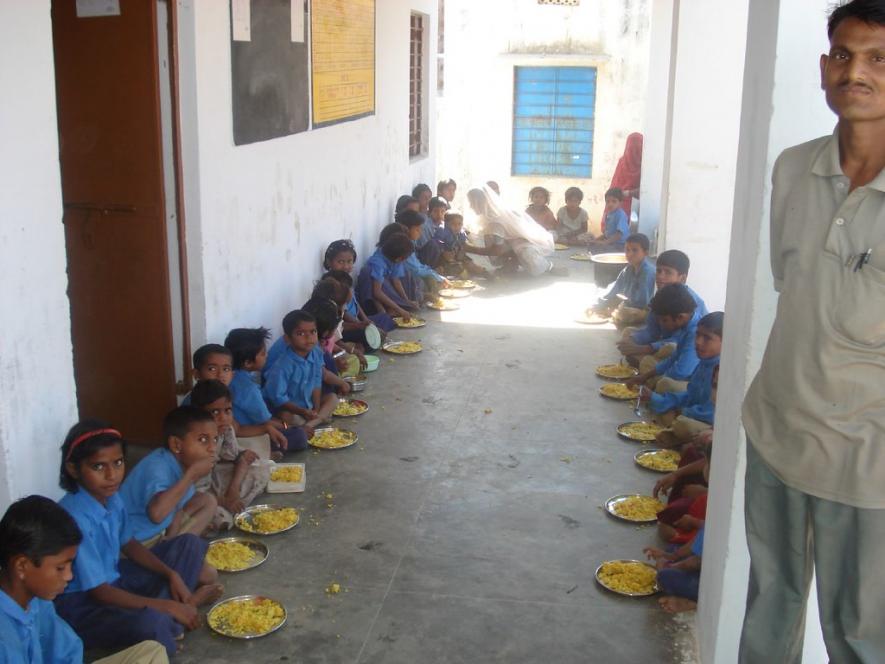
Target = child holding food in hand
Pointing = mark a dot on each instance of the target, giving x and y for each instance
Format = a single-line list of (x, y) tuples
[(385, 267), (234, 481), (341, 256)]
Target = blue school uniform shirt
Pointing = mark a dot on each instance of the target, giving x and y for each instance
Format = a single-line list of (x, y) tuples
[(381, 267), (157, 472), (651, 333), (696, 402), (616, 222), (419, 269), (637, 286), (697, 546), (353, 307), (448, 239), (427, 230), (249, 406), (276, 350), (294, 378), (105, 529), (36, 636), (681, 364)]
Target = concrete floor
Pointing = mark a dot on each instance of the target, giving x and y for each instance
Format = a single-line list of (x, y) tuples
[(465, 526)]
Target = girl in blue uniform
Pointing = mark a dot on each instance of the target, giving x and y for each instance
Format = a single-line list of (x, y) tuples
[(152, 593)]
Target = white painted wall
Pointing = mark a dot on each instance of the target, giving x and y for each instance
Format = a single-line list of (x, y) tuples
[(484, 41), (36, 365), (782, 106), (259, 216)]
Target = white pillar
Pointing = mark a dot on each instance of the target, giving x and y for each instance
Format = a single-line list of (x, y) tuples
[(782, 106)]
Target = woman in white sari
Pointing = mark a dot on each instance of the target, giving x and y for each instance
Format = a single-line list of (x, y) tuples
[(511, 238)]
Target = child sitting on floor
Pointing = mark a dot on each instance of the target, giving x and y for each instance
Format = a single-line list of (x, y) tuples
[(627, 298), (326, 314), (234, 481), (454, 259), (671, 267), (38, 544), (431, 253), (572, 218), (412, 223), (615, 226), (341, 255), (689, 412), (150, 593), (677, 315), (539, 200), (385, 267), (445, 189), (159, 492), (294, 381)]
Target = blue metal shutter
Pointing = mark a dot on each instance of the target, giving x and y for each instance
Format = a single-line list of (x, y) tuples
[(553, 112)]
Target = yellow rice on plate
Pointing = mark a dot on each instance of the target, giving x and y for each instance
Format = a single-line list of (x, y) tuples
[(248, 617), (638, 508), (265, 522), (663, 461), (230, 556), (628, 577), (346, 408), (615, 371), (403, 347), (330, 439), (291, 474), (412, 322), (619, 391), (642, 431)]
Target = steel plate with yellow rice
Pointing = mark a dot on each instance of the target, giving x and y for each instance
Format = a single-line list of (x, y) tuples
[(641, 432), (634, 508), (453, 292), (660, 461), (632, 578), (246, 617), (409, 324), (333, 439), (616, 371), (439, 304), (403, 347), (350, 408), (267, 519), (463, 284), (619, 391), (235, 554)]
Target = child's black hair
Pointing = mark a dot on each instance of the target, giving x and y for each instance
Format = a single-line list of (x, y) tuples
[(390, 230), (335, 248), (452, 215), (340, 276), (437, 202), (674, 258), (36, 527), (208, 391), (292, 319), (713, 321), (871, 12), (419, 189), (397, 247), (178, 421), (640, 239), (201, 355), (574, 192), (89, 436), (442, 184), (615, 192), (409, 218), (672, 300), (325, 312), (332, 290), (540, 190), (403, 202), (244, 344)]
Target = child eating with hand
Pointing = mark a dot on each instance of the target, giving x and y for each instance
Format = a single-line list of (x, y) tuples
[(627, 298), (453, 239), (379, 284), (341, 256)]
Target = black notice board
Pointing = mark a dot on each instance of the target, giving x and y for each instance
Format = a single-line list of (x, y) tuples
[(269, 76)]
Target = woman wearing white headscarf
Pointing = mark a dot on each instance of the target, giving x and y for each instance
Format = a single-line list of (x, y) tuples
[(512, 238)]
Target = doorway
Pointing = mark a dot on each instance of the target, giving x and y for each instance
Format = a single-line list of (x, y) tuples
[(115, 213)]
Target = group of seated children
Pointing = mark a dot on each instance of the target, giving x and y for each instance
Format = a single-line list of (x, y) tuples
[(676, 348), (570, 224)]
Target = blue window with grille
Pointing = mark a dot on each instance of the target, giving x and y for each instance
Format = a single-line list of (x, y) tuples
[(553, 114)]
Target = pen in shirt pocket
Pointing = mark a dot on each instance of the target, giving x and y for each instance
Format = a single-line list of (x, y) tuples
[(863, 259)]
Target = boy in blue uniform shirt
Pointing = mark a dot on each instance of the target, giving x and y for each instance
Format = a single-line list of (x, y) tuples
[(294, 382), (413, 224), (627, 299), (385, 267), (615, 226), (676, 311)]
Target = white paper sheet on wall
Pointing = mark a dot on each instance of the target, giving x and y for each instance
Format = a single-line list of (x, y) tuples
[(241, 20), (92, 8), (298, 21)]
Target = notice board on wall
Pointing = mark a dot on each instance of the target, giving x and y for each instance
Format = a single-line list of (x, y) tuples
[(269, 70), (342, 60)]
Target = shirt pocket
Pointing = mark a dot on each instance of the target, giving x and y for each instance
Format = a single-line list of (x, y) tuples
[(860, 311)]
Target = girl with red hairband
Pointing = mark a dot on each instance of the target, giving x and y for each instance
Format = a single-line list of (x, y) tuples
[(151, 594)]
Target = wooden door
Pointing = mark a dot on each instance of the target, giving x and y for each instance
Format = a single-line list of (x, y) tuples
[(107, 84)]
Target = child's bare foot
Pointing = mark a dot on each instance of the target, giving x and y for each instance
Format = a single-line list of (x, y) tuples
[(206, 594), (672, 604)]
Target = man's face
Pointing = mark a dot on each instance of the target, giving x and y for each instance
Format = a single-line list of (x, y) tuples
[(853, 73)]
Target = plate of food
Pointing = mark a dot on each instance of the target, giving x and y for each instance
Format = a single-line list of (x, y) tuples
[(634, 508), (440, 304), (558, 246), (350, 408), (615, 371), (236, 554), (632, 578), (409, 324), (453, 292), (403, 347), (581, 257), (329, 438), (267, 519), (660, 461), (287, 478), (640, 432), (463, 284), (619, 391), (246, 616)]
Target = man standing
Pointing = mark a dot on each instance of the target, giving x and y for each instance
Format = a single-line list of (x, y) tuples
[(815, 413)]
